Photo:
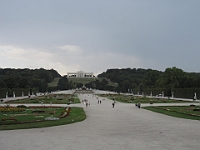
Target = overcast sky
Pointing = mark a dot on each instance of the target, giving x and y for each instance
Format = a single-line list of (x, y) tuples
[(96, 35)]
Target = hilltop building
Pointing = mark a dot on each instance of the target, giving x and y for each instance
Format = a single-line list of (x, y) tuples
[(80, 74)]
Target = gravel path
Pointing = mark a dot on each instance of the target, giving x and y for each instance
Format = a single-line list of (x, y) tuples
[(124, 127)]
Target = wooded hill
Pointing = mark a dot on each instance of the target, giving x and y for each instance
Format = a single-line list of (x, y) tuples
[(25, 80), (171, 81)]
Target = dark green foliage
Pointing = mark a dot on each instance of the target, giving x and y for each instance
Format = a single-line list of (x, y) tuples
[(196, 109), (131, 79), (63, 83), (21, 106), (79, 85), (148, 80), (26, 78)]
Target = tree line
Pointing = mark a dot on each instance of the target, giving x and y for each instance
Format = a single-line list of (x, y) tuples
[(26, 78), (65, 84), (141, 79), (126, 80)]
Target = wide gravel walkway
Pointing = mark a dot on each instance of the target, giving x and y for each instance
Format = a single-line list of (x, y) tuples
[(124, 127)]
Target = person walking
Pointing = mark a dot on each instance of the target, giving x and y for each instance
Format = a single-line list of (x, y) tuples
[(139, 105), (113, 104)]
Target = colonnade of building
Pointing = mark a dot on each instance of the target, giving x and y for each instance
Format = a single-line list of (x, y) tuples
[(80, 74)]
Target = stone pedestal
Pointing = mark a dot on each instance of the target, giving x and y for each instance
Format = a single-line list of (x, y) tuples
[(195, 96), (163, 94)]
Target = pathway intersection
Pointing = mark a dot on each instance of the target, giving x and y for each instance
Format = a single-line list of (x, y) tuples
[(123, 127)]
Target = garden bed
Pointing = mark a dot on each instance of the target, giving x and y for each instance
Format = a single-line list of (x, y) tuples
[(47, 99), (74, 115), (15, 115)]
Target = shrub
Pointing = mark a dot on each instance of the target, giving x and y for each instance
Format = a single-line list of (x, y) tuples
[(38, 111), (21, 106), (196, 109)]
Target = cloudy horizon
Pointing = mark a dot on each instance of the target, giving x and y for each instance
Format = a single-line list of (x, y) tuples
[(94, 35)]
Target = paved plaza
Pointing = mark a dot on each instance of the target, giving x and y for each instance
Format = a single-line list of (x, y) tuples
[(124, 127)]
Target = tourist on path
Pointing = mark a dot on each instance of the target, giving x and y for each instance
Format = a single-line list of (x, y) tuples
[(113, 104), (139, 105)]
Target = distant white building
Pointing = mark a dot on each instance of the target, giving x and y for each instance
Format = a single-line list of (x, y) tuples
[(80, 74)]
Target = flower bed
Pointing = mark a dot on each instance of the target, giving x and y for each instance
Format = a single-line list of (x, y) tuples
[(11, 109), (44, 107), (23, 118), (65, 113)]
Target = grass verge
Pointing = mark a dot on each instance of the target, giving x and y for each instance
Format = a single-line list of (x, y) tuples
[(186, 112), (135, 99)]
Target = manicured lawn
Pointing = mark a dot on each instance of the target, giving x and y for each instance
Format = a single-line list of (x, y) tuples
[(187, 112), (29, 115), (81, 80), (136, 99), (47, 99), (54, 83)]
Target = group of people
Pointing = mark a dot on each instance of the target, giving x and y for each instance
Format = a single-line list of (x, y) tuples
[(87, 104), (138, 105), (99, 101)]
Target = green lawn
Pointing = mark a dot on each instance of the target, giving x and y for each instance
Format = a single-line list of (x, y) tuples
[(47, 99), (187, 112), (54, 83), (75, 115), (81, 80), (88, 80), (136, 99)]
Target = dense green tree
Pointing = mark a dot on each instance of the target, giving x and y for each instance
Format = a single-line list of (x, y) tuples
[(26, 78), (2, 84), (11, 82), (43, 86), (63, 83), (174, 77), (80, 85), (23, 83), (150, 78)]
